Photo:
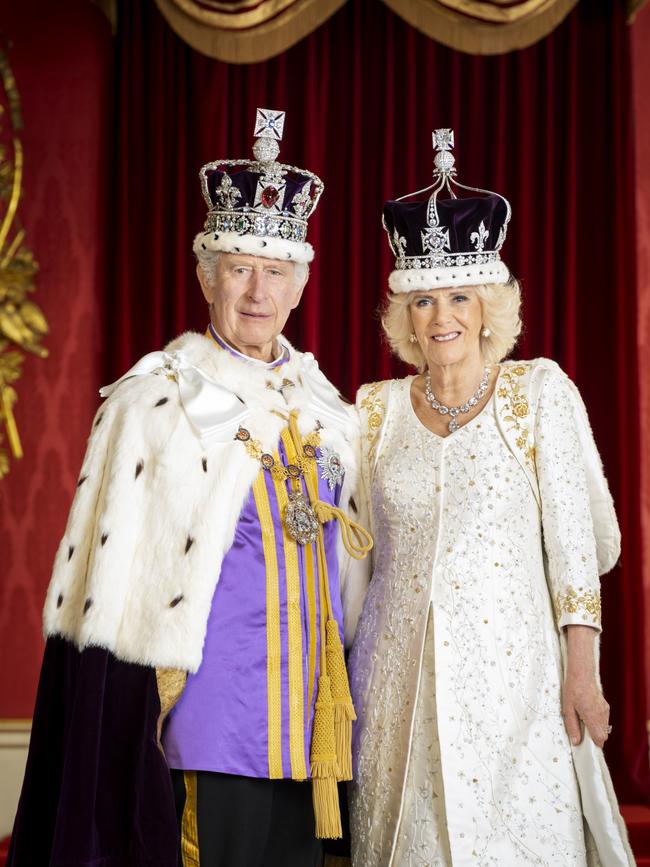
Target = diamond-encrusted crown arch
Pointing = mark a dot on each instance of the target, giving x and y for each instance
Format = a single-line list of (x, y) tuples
[(260, 196)]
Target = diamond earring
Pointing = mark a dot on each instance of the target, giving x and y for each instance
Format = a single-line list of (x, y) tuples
[(485, 332), (413, 338)]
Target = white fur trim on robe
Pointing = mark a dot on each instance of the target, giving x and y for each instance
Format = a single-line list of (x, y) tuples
[(155, 512)]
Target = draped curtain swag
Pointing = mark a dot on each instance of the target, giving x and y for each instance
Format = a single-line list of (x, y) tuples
[(250, 31), (245, 31)]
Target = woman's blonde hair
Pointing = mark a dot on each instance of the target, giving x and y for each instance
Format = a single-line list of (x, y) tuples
[(500, 305)]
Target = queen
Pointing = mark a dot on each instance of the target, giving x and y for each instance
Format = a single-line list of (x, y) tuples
[(474, 667)]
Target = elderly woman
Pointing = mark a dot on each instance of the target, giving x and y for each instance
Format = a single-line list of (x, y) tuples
[(474, 665)]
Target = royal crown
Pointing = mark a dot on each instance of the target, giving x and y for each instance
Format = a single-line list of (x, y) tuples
[(446, 242), (260, 207)]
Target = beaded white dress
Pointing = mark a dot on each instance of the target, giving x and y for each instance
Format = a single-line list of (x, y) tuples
[(461, 751)]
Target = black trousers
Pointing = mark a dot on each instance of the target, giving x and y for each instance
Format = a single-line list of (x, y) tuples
[(231, 821)]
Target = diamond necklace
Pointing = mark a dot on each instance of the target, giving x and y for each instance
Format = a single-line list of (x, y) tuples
[(455, 411)]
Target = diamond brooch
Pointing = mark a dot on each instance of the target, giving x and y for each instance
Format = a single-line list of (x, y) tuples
[(331, 468)]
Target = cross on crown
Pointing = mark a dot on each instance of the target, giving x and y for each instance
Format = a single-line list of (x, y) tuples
[(269, 123), (444, 160)]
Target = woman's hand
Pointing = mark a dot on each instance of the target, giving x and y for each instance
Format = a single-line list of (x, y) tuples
[(582, 700)]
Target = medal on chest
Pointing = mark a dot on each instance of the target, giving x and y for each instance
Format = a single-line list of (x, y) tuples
[(299, 517)]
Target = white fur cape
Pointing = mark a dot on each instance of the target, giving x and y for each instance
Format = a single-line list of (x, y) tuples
[(157, 504)]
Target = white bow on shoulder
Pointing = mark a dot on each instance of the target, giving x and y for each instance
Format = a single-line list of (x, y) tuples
[(214, 411)]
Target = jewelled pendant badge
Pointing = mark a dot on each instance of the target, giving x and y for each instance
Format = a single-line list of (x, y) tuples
[(299, 518)]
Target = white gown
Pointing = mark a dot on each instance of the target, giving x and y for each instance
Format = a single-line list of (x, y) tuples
[(462, 754)]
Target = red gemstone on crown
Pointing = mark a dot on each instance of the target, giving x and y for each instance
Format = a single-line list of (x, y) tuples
[(269, 196)]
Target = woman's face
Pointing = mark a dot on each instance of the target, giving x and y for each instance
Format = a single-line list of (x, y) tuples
[(447, 324)]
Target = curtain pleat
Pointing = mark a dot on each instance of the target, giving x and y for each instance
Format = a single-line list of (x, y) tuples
[(546, 126)]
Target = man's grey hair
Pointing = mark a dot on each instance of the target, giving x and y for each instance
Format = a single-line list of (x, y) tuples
[(209, 259)]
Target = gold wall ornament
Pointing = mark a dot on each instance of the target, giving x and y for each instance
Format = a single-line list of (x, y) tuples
[(22, 323)]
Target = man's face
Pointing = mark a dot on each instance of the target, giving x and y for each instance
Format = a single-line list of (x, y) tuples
[(251, 299)]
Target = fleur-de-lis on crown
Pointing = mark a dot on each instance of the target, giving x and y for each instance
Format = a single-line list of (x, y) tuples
[(302, 201), (399, 245), (226, 194), (479, 238)]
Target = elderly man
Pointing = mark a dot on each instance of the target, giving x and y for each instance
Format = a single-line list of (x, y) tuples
[(194, 617)]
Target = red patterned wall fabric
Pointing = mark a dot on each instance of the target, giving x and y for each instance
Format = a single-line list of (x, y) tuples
[(61, 58)]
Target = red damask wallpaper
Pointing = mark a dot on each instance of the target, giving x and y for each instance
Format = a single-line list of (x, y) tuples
[(61, 55)]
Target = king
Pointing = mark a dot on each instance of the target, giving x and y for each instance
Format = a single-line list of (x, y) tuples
[(194, 678)]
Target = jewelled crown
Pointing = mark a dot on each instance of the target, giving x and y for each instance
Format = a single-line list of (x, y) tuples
[(259, 206), (446, 242)]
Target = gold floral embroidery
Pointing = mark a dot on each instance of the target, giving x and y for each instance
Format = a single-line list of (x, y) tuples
[(580, 601), (375, 409), (516, 408)]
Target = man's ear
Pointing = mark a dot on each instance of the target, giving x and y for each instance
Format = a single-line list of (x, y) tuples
[(298, 296), (302, 289), (206, 288)]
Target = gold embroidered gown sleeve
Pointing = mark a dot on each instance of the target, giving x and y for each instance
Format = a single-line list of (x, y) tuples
[(569, 541)]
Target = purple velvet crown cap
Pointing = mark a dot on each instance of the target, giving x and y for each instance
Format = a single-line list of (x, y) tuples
[(247, 181), (460, 219)]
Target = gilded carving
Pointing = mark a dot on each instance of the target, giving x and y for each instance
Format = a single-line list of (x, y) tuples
[(22, 323)]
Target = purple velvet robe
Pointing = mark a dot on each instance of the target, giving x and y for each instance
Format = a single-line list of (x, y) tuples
[(97, 790)]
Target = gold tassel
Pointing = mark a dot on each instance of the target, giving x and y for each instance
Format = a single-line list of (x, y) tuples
[(324, 769), (343, 707)]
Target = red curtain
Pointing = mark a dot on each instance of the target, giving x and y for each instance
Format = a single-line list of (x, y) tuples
[(549, 127)]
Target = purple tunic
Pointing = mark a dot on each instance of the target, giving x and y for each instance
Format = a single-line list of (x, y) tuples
[(221, 721)]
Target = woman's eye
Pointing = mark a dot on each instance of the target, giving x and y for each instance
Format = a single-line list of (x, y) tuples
[(422, 302), (460, 297)]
